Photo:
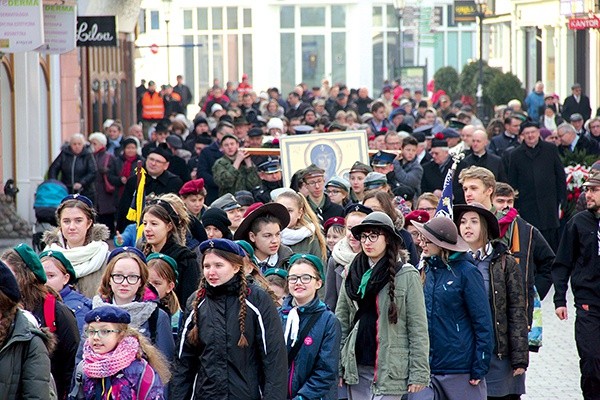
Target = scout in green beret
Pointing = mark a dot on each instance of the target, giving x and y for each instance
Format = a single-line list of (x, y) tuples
[(163, 275)]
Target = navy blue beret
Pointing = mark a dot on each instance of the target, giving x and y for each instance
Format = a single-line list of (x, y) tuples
[(79, 197), (8, 284), (224, 245), (126, 249), (357, 207), (108, 314)]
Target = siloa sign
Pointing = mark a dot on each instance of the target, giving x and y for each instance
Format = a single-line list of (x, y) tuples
[(96, 31)]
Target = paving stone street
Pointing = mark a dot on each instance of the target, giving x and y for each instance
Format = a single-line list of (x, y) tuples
[(553, 373)]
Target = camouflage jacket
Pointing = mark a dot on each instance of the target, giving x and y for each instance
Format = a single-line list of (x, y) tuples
[(231, 180)]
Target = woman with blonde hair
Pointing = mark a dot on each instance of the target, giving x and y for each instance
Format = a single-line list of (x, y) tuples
[(165, 226), (303, 234)]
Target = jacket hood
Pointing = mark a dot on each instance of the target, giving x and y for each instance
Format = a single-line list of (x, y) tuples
[(100, 233)]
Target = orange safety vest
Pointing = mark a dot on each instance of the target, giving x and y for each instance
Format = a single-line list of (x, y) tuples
[(153, 106)]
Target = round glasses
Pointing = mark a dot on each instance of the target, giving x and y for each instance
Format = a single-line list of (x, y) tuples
[(305, 279), (119, 278), (371, 237), (101, 333)]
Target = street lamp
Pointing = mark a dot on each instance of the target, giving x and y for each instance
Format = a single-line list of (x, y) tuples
[(399, 7), (480, 15), (167, 4)]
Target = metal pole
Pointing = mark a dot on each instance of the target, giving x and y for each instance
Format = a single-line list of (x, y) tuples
[(398, 47), (480, 78), (168, 53)]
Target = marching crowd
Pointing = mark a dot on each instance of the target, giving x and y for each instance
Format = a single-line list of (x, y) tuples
[(223, 284)]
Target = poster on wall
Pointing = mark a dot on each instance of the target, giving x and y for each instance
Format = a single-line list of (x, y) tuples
[(335, 153), (59, 28), (21, 27)]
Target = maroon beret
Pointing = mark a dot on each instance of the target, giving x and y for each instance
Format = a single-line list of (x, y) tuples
[(195, 186)]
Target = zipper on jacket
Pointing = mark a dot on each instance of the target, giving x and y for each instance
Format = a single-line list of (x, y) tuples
[(493, 306)]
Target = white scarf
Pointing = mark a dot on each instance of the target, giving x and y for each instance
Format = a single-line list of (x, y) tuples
[(291, 326), (290, 237), (85, 259), (342, 252)]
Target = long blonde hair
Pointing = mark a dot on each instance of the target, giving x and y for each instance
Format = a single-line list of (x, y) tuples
[(308, 217)]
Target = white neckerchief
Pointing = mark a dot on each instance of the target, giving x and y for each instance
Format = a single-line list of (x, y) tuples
[(292, 326)]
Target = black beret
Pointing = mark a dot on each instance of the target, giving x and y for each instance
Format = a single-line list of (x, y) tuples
[(8, 283)]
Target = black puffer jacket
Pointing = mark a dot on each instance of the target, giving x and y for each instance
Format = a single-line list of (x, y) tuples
[(217, 368), (72, 168), (509, 312)]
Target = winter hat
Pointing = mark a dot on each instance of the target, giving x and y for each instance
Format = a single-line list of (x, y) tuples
[(8, 283), (217, 218), (32, 261)]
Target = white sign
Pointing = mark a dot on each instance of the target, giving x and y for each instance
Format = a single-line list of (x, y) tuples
[(21, 26), (59, 28)]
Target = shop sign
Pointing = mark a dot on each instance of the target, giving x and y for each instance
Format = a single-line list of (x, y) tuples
[(21, 27), (591, 22), (59, 28), (96, 31), (465, 11)]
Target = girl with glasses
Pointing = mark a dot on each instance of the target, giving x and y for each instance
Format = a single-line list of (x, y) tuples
[(311, 331), (118, 361), (125, 285), (385, 345)]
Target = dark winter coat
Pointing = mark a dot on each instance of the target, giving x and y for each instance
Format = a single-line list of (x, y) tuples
[(409, 174), (67, 335), (577, 259), (571, 106), (105, 202), (433, 176), (509, 313), (187, 264), (538, 175), (459, 317), (500, 143), (313, 374), (71, 168), (218, 368), (204, 163), (25, 372), (584, 144)]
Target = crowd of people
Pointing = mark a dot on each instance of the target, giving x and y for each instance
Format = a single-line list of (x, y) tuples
[(222, 283)]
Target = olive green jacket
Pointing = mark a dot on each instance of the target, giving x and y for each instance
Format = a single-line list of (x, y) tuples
[(402, 348)]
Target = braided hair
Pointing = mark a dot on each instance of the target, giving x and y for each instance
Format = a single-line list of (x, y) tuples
[(236, 260)]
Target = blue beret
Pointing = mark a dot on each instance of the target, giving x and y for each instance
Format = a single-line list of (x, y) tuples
[(224, 245), (126, 249), (276, 271), (108, 314), (383, 159), (78, 197), (357, 207), (314, 260)]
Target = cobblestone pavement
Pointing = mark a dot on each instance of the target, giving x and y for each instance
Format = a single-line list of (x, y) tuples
[(553, 373)]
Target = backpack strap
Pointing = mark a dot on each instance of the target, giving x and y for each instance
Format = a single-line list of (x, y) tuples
[(147, 379), (153, 323), (303, 333), (50, 312)]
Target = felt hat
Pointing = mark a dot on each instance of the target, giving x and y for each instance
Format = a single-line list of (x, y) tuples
[(275, 209), (339, 221), (57, 255), (491, 220), (379, 220), (442, 232), (416, 215), (32, 261), (116, 315)]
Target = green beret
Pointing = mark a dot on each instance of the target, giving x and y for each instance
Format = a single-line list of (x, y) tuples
[(314, 260), (169, 260), (32, 261), (63, 260), (248, 249), (276, 271)]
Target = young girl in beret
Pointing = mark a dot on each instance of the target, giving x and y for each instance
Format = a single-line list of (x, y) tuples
[(312, 333), (118, 362), (163, 276), (61, 277)]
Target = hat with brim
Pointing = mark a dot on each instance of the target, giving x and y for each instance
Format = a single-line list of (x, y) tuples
[(491, 220), (275, 209), (377, 220), (442, 232)]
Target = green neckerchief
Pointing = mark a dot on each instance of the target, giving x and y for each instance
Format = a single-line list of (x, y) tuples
[(364, 281)]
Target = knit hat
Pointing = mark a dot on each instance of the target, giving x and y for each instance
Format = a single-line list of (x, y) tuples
[(217, 218), (60, 257), (113, 314), (101, 137), (8, 283), (32, 261), (314, 260)]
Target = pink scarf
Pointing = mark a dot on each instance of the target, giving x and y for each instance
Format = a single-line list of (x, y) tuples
[(105, 365)]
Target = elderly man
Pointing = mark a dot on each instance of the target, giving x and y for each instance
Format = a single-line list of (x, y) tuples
[(536, 172), (571, 142), (434, 172), (577, 102)]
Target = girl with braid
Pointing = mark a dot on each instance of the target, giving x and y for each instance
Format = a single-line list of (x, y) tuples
[(381, 308), (232, 343)]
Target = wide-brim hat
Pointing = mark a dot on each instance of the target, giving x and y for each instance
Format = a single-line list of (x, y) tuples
[(377, 220), (490, 218), (442, 232), (277, 210)]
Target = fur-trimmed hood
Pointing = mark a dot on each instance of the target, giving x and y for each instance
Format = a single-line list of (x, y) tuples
[(100, 232)]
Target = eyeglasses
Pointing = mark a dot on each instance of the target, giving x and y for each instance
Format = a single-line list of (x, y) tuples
[(371, 237), (119, 278), (315, 183), (101, 333), (333, 192), (305, 279), (428, 209)]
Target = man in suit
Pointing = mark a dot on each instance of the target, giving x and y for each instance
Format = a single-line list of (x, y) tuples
[(435, 171), (577, 103)]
